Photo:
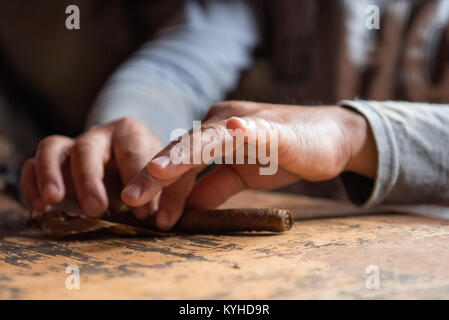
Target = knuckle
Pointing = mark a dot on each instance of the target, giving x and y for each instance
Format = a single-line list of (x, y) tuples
[(222, 106), (92, 132), (80, 147), (131, 127), (216, 108), (96, 132), (126, 121), (237, 106), (49, 141), (233, 107), (129, 155), (234, 104), (90, 147), (94, 128)]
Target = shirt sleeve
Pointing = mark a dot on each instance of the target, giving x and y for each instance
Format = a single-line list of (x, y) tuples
[(174, 79), (412, 141)]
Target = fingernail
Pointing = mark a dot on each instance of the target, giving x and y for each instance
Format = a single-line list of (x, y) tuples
[(51, 191), (237, 123), (162, 161), (91, 205), (132, 191)]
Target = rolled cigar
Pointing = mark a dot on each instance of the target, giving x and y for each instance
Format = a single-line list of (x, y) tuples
[(219, 221), (67, 219), (234, 220), (61, 223)]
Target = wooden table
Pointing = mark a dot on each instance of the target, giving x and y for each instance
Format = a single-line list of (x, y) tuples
[(317, 259)]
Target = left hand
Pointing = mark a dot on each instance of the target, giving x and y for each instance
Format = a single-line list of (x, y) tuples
[(84, 173)]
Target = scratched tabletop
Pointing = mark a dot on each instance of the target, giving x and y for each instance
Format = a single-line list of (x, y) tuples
[(366, 256)]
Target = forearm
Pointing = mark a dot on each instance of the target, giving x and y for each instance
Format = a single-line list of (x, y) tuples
[(175, 79), (410, 159)]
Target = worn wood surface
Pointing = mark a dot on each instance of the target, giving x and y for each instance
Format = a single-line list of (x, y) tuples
[(320, 258)]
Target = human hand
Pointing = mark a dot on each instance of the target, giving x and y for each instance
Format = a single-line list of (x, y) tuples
[(313, 143), (77, 170)]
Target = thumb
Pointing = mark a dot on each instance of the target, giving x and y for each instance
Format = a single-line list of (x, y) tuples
[(215, 187)]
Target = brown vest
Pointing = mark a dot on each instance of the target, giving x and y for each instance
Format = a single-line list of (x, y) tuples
[(317, 57), (66, 68)]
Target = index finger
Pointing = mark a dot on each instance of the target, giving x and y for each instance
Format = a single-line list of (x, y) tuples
[(201, 145), (189, 152)]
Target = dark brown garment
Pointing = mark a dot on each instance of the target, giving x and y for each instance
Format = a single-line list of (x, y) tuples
[(310, 46), (317, 52), (62, 70)]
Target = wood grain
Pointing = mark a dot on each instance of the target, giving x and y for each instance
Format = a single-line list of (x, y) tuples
[(317, 259)]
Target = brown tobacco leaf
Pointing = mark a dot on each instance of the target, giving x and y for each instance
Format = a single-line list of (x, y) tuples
[(59, 223), (62, 223)]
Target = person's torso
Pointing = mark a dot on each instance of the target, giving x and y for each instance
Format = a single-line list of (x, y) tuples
[(323, 51), (66, 68)]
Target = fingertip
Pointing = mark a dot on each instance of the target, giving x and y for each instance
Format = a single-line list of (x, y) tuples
[(162, 162), (171, 171), (133, 198), (236, 123), (129, 201), (94, 207), (158, 167), (38, 205), (142, 189), (142, 213), (164, 220), (131, 192), (52, 194)]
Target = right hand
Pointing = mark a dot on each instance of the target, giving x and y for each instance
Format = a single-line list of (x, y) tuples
[(314, 144)]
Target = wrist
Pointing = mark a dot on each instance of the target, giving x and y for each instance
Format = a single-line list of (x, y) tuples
[(359, 143)]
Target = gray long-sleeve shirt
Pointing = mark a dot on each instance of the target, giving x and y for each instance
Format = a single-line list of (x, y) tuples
[(174, 80), (412, 141)]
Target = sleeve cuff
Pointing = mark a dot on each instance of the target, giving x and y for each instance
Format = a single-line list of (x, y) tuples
[(364, 191)]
